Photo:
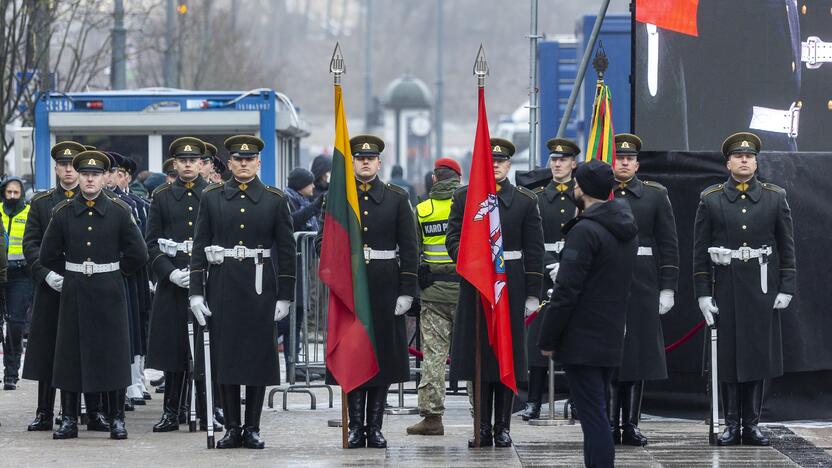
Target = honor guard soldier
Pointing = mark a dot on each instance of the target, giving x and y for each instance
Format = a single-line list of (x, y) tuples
[(40, 350), (93, 241), (652, 291), (207, 170), (440, 291), (170, 236), (391, 255), (240, 223), (744, 270), (557, 207), (170, 170), (523, 253)]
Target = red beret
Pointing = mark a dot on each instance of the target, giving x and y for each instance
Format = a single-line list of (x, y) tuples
[(448, 163)]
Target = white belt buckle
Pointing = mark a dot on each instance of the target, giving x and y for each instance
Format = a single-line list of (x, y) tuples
[(812, 53), (794, 114), (188, 245), (239, 252), (367, 252), (745, 253), (88, 268)]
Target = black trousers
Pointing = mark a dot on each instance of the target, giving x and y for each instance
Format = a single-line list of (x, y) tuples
[(588, 387)]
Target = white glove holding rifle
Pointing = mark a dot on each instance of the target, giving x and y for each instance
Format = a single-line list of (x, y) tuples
[(199, 308)]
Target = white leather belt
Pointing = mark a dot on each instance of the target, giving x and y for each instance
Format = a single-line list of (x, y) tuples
[(776, 120), (216, 255), (170, 247), (512, 254), (555, 247), (241, 252), (747, 253), (90, 268), (372, 254), (814, 52), (645, 251)]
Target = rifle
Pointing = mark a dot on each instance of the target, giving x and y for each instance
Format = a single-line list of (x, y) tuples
[(209, 390)]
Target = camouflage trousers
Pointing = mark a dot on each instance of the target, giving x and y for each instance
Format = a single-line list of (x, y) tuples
[(436, 324)]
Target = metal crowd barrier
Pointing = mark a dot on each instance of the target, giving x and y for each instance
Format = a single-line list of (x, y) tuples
[(312, 299)]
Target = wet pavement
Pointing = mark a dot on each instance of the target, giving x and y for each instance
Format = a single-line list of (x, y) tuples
[(301, 437)]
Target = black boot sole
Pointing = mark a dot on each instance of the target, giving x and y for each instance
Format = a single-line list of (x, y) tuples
[(118, 436), (166, 429)]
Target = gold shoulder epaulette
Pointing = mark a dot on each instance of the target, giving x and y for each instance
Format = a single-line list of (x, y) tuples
[(161, 188), (397, 189), (712, 189), (275, 191), (122, 203), (61, 205), (213, 186), (539, 189), (654, 185), (40, 195), (527, 192), (773, 188)]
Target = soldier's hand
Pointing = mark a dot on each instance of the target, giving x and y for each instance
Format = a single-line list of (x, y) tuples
[(403, 304), (55, 281), (281, 310), (553, 270), (546, 353), (666, 301), (199, 308), (181, 278), (532, 304), (708, 308), (782, 301)]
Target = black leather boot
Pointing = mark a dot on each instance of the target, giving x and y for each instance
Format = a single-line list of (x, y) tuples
[(174, 381), (118, 430), (231, 404), (537, 380), (631, 413), (731, 409), (614, 411), (185, 400), (254, 408), (752, 407), (503, 402), (356, 402), (486, 410), (69, 421), (46, 407), (376, 399), (96, 418)]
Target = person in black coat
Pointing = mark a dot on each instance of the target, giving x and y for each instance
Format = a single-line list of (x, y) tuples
[(583, 323)]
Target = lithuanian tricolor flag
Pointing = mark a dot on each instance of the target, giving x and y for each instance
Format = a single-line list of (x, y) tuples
[(601, 142), (350, 348)]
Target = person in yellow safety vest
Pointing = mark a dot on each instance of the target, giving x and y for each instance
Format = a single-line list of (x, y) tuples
[(17, 291), (440, 290)]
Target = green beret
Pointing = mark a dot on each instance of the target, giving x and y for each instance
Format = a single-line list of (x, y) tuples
[(366, 146), (91, 161), (245, 146), (742, 142), (65, 151), (627, 144), (186, 147), (561, 147), (502, 149)]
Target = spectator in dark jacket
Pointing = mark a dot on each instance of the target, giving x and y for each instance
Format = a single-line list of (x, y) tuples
[(321, 169), (583, 325), (397, 178), (304, 209)]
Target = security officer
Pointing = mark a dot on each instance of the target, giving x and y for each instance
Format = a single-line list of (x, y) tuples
[(440, 290), (523, 252), (16, 297), (92, 241), (744, 244), (239, 222), (557, 207), (391, 254), (169, 243), (40, 350), (652, 291)]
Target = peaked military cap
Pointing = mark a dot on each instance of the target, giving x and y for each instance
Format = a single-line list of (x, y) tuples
[(244, 146), (167, 166), (502, 149), (186, 147), (366, 146), (627, 144), (65, 151), (210, 151), (128, 164), (90, 147), (561, 147), (114, 158), (91, 161), (742, 142)]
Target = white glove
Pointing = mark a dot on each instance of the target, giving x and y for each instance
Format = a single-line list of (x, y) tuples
[(720, 255), (152, 286), (554, 267), (532, 304), (200, 309), (666, 301), (55, 281), (181, 278), (782, 301), (708, 308), (403, 304), (281, 310)]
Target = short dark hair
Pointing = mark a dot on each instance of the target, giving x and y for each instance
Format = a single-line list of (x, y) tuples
[(443, 173)]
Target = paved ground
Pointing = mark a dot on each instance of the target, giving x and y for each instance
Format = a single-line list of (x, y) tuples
[(301, 437)]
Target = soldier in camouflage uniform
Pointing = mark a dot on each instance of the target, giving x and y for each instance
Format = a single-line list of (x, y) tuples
[(440, 291)]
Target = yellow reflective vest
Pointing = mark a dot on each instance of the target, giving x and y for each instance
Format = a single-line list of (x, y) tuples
[(14, 228), (433, 224)]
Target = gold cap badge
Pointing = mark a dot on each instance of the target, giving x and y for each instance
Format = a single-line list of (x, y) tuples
[(365, 146), (744, 144), (188, 148), (558, 148), (497, 149), (68, 152), (91, 162), (244, 147), (625, 145)]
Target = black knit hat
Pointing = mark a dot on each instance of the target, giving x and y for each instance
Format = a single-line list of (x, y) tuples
[(595, 178), (321, 165), (300, 178)]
